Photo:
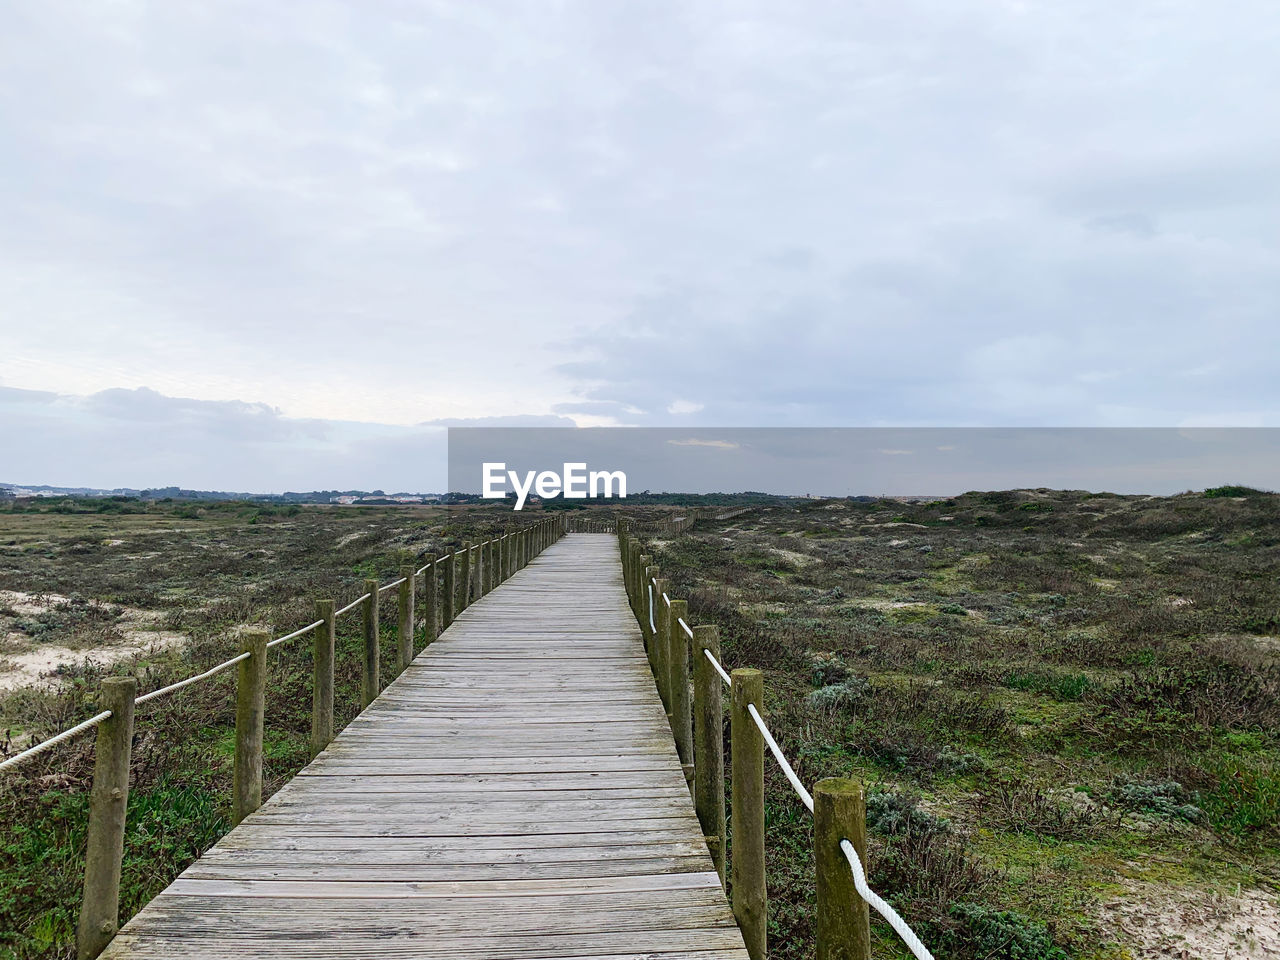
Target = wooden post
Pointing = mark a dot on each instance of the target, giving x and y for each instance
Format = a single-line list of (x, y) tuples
[(370, 676), (108, 802), (251, 686), (430, 599), (464, 577), (650, 635), (631, 563), (404, 636), (322, 644), (450, 587), (662, 668), (708, 743), (678, 683), (844, 920), (481, 570), (750, 899), (642, 573)]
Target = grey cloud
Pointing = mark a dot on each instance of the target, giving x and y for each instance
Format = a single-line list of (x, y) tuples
[(140, 438), (518, 420), (816, 213)]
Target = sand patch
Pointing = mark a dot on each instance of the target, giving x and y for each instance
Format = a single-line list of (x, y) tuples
[(26, 661), (1156, 921)]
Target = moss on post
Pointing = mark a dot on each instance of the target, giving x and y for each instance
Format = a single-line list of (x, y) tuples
[(464, 576), (678, 683), (251, 685), (449, 611), (371, 672), (430, 600), (750, 899), (844, 920), (708, 744), (108, 802), (322, 645), (404, 634)]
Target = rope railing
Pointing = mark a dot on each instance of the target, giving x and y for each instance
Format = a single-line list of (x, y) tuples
[(352, 605), (900, 927), (53, 741), (211, 672), (472, 571), (805, 796), (838, 808), (297, 633), (728, 681)]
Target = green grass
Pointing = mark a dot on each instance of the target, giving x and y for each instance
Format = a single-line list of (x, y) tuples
[(203, 582), (1070, 680)]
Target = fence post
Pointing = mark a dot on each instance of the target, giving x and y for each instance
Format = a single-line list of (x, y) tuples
[(430, 599), (650, 636), (371, 676), (844, 920), (708, 743), (322, 643), (640, 577), (750, 899), (450, 587), (251, 685), (662, 671), (404, 633), (678, 664), (108, 801), (464, 576)]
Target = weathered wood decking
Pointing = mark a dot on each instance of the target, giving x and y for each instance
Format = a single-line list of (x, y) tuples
[(515, 793)]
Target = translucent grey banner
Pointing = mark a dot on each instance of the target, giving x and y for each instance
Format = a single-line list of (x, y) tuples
[(892, 461)]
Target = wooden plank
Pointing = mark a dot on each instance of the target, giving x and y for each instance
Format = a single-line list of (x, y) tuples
[(513, 795)]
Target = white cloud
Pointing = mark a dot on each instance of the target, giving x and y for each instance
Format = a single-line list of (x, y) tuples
[(714, 444), (679, 407)]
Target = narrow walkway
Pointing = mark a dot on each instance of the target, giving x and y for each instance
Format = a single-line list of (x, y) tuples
[(515, 793)]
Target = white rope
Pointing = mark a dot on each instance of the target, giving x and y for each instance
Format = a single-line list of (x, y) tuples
[(666, 599), (297, 633), (719, 669), (393, 583), (805, 796), (212, 671), (423, 569), (653, 628), (687, 628), (54, 740), (352, 605), (899, 925)]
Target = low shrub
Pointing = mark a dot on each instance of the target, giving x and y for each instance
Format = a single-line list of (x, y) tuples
[(1005, 935)]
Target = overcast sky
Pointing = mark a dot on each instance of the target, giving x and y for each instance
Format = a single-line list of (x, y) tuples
[(258, 246)]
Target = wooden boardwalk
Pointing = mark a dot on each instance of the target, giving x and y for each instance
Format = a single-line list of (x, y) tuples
[(514, 794)]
